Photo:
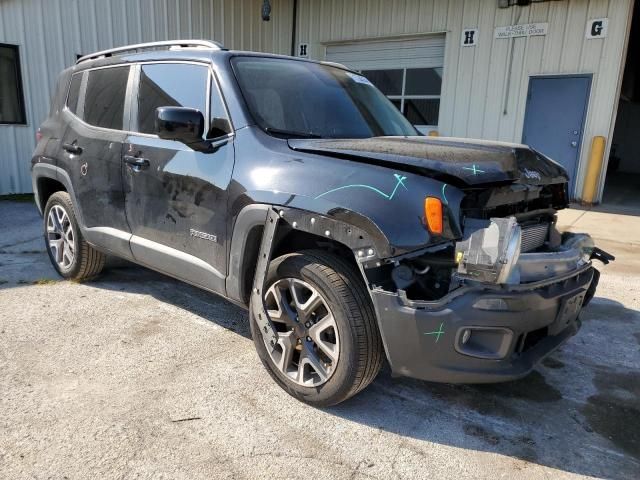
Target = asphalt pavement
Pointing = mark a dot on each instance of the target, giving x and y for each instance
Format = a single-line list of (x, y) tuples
[(136, 375)]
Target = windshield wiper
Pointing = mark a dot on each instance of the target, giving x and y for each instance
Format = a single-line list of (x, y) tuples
[(290, 133)]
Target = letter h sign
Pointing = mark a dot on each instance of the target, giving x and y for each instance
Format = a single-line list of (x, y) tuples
[(469, 37)]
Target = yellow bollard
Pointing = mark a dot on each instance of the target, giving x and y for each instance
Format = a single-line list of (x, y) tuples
[(593, 169)]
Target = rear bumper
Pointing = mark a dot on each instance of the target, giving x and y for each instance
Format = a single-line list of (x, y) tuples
[(510, 328)]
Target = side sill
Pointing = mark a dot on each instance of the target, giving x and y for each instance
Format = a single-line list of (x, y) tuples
[(177, 264)]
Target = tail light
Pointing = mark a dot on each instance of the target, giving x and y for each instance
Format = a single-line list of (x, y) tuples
[(433, 214), (38, 135)]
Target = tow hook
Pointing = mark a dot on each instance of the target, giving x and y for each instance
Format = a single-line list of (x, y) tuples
[(599, 254)]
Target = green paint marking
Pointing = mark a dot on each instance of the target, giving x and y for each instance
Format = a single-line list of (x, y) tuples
[(399, 181), (474, 169), (437, 333)]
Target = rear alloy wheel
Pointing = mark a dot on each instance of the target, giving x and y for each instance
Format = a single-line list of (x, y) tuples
[(61, 237), (69, 252), (328, 346)]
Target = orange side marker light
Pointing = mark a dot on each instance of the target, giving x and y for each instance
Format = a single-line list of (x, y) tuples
[(433, 214)]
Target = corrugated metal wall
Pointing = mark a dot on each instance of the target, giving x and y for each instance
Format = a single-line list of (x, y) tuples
[(480, 98), (476, 90), (51, 32)]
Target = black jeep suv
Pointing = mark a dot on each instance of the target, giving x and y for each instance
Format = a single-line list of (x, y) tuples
[(296, 189)]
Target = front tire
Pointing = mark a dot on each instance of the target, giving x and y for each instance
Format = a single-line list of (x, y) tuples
[(329, 347), (70, 254)]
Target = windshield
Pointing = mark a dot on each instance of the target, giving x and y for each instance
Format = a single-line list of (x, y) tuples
[(291, 98)]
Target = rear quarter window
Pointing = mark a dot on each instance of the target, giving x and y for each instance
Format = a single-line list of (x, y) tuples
[(104, 99), (74, 93)]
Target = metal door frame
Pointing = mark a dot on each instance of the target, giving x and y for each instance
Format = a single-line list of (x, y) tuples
[(589, 76)]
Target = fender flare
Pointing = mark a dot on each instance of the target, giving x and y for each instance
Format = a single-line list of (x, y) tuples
[(46, 170), (367, 247)]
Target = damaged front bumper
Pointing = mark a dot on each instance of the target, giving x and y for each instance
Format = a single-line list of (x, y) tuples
[(484, 332)]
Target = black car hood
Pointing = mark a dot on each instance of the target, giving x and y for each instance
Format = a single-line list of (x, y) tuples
[(457, 161)]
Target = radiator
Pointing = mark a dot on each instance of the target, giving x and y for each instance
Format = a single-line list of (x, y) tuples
[(534, 236)]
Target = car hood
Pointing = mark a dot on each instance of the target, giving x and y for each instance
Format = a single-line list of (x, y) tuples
[(461, 162)]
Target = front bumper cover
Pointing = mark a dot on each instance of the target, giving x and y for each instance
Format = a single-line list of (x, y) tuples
[(510, 328)]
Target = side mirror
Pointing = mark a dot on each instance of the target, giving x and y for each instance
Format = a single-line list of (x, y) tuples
[(185, 125), (219, 127)]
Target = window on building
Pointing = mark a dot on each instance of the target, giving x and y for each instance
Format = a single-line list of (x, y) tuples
[(104, 100), (170, 85), (414, 91), (11, 97)]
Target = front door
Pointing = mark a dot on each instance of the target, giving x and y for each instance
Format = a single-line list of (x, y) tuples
[(555, 117), (176, 200)]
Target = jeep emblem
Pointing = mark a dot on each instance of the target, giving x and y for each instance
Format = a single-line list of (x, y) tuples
[(532, 174)]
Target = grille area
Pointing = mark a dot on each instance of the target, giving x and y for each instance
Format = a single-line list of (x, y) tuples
[(534, 236)]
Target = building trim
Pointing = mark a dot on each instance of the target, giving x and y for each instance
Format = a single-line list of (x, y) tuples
[(385, 38)]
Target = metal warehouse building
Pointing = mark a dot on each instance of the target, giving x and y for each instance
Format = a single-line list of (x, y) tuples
[(550, 73)]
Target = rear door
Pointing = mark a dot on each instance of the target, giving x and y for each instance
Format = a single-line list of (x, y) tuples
[(91, 153), (176, 204)]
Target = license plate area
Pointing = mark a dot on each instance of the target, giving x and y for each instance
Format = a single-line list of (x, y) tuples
[(568, 313)]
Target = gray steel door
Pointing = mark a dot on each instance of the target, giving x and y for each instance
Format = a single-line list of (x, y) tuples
[(555, 117)]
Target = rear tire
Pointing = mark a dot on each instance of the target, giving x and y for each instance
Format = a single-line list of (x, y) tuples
[(70, 254), (353, 347)]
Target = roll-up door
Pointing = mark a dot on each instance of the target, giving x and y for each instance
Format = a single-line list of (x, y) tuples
[(408, 71)]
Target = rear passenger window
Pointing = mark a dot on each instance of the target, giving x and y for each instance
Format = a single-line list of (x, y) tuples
[(74, 93), (104, 100), (170, 85)]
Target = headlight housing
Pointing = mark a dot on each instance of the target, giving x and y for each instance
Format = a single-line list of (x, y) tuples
[(489, 250)]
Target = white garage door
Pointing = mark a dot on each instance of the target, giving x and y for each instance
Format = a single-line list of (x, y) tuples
[(408, 71)]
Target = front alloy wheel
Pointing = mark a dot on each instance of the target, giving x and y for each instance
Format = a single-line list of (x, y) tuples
[(328, 346), (308, 341)]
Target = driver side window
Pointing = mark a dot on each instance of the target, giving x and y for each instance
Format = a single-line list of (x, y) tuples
[(170, 85)]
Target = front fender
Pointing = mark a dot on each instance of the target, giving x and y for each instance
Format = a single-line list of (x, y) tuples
[(386, 203), (365, 243)]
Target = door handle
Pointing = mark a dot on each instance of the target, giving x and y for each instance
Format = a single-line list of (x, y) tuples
[(72, 148), (136, 163)]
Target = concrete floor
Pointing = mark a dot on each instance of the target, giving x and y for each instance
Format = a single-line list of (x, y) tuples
[(136, 375), (621, 193)]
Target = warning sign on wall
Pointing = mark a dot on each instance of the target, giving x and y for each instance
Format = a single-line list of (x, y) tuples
[(528, 30)]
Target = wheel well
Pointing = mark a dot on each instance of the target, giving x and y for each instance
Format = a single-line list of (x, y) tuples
[(288, 240), (46, 188)]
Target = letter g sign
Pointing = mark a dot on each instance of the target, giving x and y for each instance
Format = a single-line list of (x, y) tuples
[(597, 28)]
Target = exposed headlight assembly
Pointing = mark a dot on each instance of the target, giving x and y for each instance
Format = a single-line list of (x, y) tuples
[(489, 250)]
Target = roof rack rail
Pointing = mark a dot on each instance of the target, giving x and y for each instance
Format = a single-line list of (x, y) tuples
[(335, 64), (152, 46)]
